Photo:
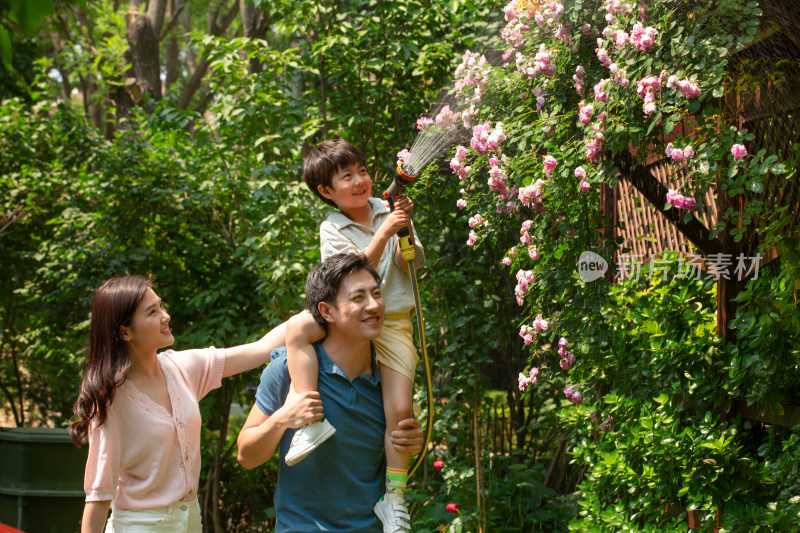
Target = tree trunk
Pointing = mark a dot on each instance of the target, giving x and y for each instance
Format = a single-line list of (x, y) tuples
[(90, 108), (173, 63), (250, 25), (143, 42), (186, 24), (65, 85), (228, 387)]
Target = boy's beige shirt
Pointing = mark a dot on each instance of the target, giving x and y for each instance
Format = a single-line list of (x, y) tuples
[(339, 234)]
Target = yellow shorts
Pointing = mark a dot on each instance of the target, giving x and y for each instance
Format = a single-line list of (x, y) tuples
[(394, 347)]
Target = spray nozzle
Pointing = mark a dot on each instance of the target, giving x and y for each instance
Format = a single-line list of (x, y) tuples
[(404, 175)]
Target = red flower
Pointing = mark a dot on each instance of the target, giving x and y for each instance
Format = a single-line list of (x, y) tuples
[(438, 464), (452, 507)]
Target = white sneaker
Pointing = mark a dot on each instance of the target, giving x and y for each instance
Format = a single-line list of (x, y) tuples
[(307, 438), (394, 515)]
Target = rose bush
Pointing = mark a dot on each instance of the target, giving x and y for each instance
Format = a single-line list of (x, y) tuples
[(586, 93)]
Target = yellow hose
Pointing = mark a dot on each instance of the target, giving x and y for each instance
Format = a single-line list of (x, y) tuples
[(408, 252)]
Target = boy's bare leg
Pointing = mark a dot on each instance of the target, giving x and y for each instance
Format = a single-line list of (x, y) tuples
[(397, 398), (301, 332), (301, 358)]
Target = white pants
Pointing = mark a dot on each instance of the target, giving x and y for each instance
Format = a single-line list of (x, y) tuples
[(180, 517)]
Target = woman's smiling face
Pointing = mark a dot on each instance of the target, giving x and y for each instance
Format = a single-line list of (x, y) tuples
[(149, 329)]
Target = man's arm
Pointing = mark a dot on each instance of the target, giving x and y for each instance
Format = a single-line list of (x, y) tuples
[(262, 433)]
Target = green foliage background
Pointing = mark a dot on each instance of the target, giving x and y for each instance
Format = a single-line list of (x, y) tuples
[(208, 199)]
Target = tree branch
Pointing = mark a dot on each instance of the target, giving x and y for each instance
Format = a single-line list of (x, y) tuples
[(156, 9), (174, 19), (196, 78)]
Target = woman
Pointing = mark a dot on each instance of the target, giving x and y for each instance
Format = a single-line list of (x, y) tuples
[(139, 411)]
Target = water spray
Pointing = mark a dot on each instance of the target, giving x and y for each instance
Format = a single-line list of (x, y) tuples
[(432, 142)]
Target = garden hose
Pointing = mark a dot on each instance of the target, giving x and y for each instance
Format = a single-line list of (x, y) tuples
[(408, 252)]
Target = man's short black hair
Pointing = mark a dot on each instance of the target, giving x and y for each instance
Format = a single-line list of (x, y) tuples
[(325, 159), (322, 283)]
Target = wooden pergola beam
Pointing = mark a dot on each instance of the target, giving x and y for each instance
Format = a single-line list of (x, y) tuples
[(654, 191)]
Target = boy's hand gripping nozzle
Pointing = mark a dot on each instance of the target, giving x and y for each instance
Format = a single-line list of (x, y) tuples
[(401, 179)]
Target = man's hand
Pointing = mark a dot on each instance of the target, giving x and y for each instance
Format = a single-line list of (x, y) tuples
[(408, 439), (301, 408)]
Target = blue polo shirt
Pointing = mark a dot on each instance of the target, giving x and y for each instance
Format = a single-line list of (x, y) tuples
[(337, 485)]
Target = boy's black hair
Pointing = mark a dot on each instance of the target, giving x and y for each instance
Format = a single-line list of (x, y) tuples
[(325, 159), (322, 283)]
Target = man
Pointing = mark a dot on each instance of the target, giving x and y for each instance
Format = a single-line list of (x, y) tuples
[(336, 487)]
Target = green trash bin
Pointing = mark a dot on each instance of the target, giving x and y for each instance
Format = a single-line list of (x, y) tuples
[(41, 480)]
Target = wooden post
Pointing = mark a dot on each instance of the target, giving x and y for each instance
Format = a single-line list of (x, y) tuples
[(608, 202), (476, 435)]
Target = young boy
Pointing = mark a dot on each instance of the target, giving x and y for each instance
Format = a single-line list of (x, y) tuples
[(336, 172)]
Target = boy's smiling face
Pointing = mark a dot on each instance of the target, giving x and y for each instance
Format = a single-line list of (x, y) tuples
[(351, 187)]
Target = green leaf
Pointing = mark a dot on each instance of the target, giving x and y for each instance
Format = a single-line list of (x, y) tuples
[(29, 14), (778, 168)]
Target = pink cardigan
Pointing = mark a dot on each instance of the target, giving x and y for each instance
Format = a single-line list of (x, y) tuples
[(142, 457)]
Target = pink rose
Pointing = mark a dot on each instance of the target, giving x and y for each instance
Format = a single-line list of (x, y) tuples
[(424, 122), (539, 324), (584, 186), (461, 203), (438, 464), (738, 151), (602, 55), (452, 507), (585, 114), (600, 91)]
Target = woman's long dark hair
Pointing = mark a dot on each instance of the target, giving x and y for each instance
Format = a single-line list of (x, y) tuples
[(113, 306)]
